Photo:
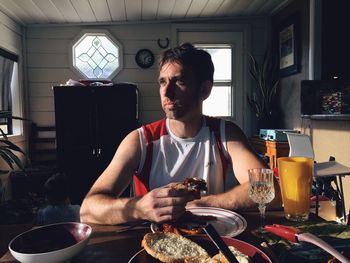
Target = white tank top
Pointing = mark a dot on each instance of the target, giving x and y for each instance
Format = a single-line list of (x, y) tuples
[(175, 159)]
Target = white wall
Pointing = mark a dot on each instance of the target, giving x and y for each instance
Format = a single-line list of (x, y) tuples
[(48, 62), (11, 34)]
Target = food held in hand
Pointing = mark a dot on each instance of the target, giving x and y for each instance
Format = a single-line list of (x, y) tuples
[(192, 184), (188, 223)]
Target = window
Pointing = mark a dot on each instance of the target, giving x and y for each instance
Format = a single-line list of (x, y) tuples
[(222, 58), (97, 55), (8, 89)]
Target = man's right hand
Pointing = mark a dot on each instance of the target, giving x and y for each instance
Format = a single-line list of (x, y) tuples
[(164, 204)]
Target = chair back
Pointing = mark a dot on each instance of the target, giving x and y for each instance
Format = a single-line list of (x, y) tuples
[(300, 145)]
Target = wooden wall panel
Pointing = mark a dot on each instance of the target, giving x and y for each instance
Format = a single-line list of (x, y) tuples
[(148, 89), (55, 75), (48, 46), (48, 62), (12, 25), (43, 118), (9, 39), (42, 89), (40, 104)]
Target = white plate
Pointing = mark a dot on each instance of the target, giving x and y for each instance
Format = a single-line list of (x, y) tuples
[(227, 223)]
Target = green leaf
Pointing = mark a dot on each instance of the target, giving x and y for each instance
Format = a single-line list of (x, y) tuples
[(14, 158), (3, 134), (266, 83), (7, 147), (6, 158), (12, 146)]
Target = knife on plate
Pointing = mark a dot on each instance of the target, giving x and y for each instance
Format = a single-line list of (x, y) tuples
[(219, 243)]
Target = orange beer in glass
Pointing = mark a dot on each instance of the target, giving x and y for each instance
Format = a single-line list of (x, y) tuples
[(295, 176)]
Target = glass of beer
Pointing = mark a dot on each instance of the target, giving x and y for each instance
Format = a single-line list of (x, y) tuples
[(295, 176)]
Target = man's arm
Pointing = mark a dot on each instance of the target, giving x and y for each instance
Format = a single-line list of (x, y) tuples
[(243, 157), (103, 206)]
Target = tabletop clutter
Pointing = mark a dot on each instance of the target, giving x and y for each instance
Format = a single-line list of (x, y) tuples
[(185, 241)]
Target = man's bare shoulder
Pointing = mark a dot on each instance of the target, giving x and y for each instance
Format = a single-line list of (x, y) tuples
[(131, 140), (133, 135)]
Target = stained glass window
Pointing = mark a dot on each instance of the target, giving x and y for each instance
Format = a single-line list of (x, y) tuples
[(97, 56)]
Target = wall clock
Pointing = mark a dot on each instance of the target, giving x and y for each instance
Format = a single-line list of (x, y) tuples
[(144, 58)]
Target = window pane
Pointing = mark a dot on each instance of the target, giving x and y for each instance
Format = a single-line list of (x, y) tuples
[(7, 66), (96, 56), (222, 61), (219, 102), (3, 127)]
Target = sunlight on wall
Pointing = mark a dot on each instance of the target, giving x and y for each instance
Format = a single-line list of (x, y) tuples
[(332, 138)]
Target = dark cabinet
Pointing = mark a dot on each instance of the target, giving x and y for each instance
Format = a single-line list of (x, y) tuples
[(91, 121)]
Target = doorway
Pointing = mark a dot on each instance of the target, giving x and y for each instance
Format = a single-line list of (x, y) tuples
[(215, 37)]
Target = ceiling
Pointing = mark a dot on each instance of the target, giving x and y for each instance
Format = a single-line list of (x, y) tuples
[(28, 12)]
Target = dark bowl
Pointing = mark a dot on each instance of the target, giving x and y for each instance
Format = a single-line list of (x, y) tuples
[(50, 243)]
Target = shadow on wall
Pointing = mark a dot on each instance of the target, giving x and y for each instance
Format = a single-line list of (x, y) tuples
[(290, 104)]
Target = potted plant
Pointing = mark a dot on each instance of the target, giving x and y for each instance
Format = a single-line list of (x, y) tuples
[(7, 148), (263, 100)]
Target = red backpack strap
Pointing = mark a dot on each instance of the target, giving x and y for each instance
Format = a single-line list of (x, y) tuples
[(214, 126), (152, 132)]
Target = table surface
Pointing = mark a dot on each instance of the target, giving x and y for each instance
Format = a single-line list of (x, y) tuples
[(107, 245), (331, 168)]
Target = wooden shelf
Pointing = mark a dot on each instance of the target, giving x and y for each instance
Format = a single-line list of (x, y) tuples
[(332, 117), (42, 143)]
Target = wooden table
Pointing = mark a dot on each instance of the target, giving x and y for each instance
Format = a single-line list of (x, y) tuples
[(271, 149), (107, 246)]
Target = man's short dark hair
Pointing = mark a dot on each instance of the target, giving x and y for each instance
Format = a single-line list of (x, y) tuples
[(57, 189), (198, 60)]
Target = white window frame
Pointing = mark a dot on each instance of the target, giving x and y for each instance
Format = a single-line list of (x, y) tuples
[(222, 83), (17, 134), (97, 32), (244, 120)]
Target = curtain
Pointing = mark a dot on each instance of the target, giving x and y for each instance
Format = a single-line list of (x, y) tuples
[(6, 70)]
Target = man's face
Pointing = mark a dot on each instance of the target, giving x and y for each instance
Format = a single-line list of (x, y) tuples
[(178, 91)]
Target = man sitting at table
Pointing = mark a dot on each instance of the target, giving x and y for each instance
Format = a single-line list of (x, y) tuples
[(184, 144)]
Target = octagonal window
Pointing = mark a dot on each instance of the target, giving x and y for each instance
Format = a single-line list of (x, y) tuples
[(97, 55)]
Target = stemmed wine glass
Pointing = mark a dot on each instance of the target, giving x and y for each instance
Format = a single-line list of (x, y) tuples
[(261, 190)]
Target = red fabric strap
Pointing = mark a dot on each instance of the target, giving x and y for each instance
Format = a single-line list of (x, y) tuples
[(214, 126), (152, 133)]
